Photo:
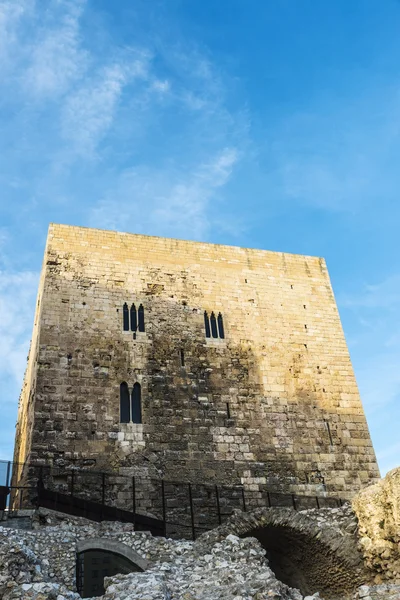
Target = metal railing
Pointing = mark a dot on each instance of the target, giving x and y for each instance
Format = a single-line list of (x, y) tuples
[(177, 509)]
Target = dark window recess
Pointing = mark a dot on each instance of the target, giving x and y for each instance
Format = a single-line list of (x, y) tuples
[(125, 317), (137, 403), (124, 403), (228, 410), (221, 326), (182, 355), (141, 317), (133, 318), (207, 324), (329, 432), (213, 323)]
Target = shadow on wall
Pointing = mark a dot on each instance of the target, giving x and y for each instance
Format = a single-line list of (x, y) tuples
[(303, 562)]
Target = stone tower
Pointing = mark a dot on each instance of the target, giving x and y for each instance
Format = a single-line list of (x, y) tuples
[(193, 361)]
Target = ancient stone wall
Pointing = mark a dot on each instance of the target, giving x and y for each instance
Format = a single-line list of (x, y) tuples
[(378, 511), (274, 405)]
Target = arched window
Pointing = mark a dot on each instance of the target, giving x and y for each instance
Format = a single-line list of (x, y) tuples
[(141, 317), (125, 318), (221, 326), (213, 322), (137, 403), (124, 403), (207, 324), (133, 318)]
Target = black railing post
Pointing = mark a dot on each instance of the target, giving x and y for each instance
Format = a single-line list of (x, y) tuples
[(294, 502), (8, 473), (218, 505), (133, 495), (317, 501), (243, 500), (20, 498), (269, 499), (72, 488), (164, 507), (191, 511), (103, 494)]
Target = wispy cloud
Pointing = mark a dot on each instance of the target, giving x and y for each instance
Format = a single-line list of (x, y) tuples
[(17, 298), (90, 111), (56, 57), (168, 202)]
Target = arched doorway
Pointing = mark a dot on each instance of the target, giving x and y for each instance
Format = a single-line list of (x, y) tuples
[(99, 558)]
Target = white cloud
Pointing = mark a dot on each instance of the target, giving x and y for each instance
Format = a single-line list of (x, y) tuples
[(161, 86), (382, 295), (11, 14), (55, 56), (90, 111), (17, 301), (164, 202)]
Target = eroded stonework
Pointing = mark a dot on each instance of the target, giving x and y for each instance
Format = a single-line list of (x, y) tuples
[(274, 405)]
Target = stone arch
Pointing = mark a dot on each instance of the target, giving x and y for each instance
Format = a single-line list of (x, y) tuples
[(308, 550), (114, 546), (97, 558)]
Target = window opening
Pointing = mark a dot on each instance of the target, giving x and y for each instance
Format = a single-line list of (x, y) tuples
[(329, 432), (133, 318), (136, 403), (125, 317), (207, 324), (124, 403), (228, 410), (213, 322), (141, 318), (182, 355), (221, 326)]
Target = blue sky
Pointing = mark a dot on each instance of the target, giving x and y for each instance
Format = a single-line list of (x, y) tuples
[(271, 124)]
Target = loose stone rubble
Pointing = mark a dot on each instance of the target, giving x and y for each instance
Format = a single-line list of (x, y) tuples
[(40, 563)]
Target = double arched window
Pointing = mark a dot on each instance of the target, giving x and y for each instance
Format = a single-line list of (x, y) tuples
[(130, 403), (132, 319), (214, 326)]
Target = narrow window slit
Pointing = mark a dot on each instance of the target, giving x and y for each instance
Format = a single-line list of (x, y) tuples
[(329, 432), (207, 324), (221, 326), (213, 322), (141, 318), (124, 403), (137, 403), (125, 317), (182, 355), (133, 318), (228, 410)]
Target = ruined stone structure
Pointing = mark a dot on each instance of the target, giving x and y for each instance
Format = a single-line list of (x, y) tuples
[(192, 361)]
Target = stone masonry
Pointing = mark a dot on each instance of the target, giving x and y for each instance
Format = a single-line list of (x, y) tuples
[(273, 405)]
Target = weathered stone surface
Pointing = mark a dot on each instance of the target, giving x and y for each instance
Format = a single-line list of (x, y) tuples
[(273, 406), (40, 564), (378, 511)]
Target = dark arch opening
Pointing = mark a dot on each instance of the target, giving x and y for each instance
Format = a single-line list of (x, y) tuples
[(125, 317), (137, 403), (213, 322), (133, 318), (303, 562), (93, 565), (124, 403), (141, 317)]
